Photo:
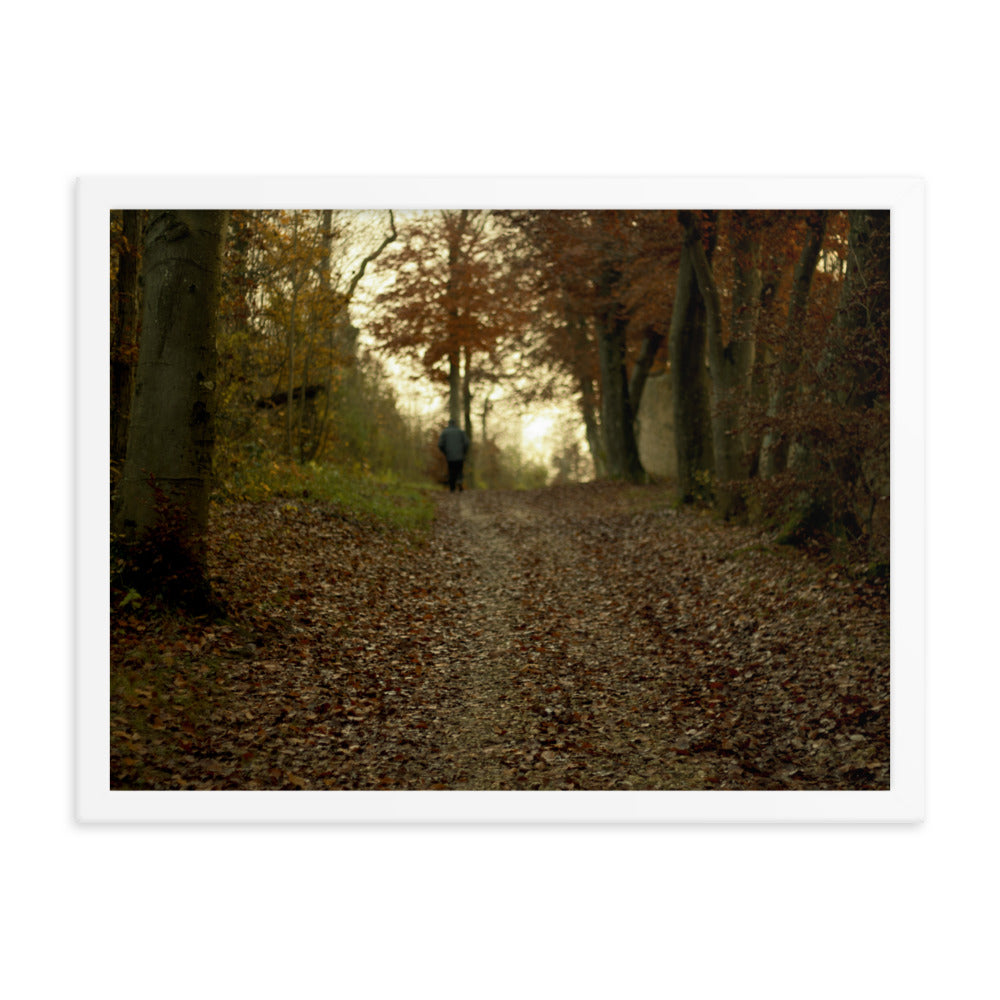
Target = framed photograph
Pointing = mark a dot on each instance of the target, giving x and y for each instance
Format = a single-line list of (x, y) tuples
[(500, 500)]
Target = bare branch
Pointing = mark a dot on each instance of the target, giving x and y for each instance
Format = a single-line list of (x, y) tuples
[(364, 263)]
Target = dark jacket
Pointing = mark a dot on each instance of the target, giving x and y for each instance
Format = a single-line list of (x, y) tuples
[(453, 443)]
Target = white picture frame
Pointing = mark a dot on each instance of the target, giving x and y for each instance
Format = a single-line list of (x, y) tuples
[(902, 803)]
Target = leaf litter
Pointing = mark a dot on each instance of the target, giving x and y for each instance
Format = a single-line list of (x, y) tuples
[(579, 637)]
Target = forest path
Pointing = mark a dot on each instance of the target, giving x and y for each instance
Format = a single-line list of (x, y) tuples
[(529, 592), (577, 637)]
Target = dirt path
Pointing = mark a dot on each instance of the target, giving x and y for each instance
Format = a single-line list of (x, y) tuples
[(585, 637), (530, 656)]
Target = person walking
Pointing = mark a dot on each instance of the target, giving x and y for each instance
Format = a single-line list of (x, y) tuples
[(454, 445)]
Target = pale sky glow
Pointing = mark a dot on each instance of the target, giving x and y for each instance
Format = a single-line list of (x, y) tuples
[(536, 434)]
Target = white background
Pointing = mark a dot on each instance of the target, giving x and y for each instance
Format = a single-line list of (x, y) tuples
[(454, 88)]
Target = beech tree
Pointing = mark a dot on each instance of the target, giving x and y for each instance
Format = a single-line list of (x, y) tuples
[(163, 495), (617, 414), (689, 383), (730, 351)]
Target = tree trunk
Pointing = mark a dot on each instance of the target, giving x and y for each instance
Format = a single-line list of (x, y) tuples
[(328, 318), (595, 439), (467, 409), (859, 347), (763, 363), (844, 463), (774, 450), (855, 368), (651, 342), (730, 364), (305, 407), (689, 385), (290, 339), (452, 295), (124, 333), (455, 387), (621, 450), (167, 476), (581, 354)]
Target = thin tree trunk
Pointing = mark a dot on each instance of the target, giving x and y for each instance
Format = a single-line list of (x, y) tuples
[(467, 408), (290, 410), (328, 319), (455, 387), (454, 337), (304, 401), (482, 422)]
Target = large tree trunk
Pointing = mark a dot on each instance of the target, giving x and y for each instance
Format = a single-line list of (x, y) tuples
[(124, 332), (167, 476), (689, 385), (731, 363)]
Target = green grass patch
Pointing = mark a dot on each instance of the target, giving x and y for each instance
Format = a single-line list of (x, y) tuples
[(356, 495)]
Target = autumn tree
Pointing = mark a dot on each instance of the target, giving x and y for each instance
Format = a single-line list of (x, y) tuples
[(452, 301), (163, 496), (289, 281)]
